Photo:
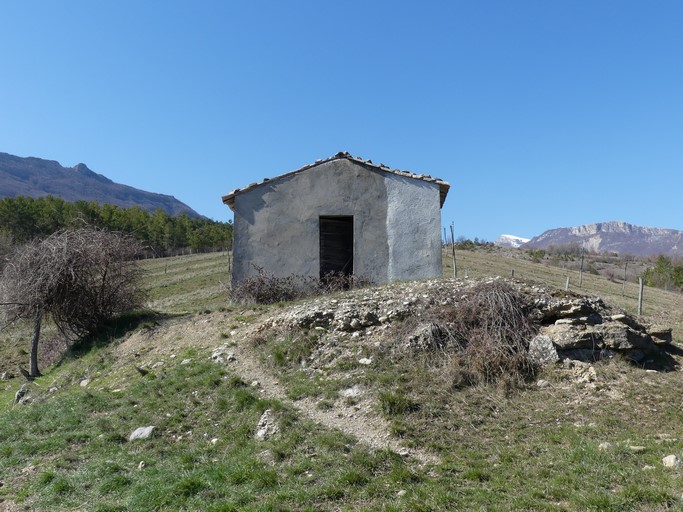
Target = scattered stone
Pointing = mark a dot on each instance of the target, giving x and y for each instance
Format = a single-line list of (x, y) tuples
[(53, 389), (365, 361), (141, 433), (637, 449), (671, 461), (214, 440), (158, 364), (401, 493), (604, 446), (647, 467), (542, 384), (255, 384), (84, 383), (267, 427), (186, 361), (220, 355), (20, 396), (141, 465), (351, 392), (583, 373)]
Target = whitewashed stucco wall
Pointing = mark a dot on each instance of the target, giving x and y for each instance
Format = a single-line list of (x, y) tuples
[(397, 223)]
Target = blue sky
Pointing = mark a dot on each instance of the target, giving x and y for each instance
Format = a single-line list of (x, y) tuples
[(541, 114)]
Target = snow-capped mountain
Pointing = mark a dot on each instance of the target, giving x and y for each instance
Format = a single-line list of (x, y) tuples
[(510, 241)]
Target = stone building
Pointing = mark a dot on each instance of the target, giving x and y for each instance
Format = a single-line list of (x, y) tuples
[(342, 214)]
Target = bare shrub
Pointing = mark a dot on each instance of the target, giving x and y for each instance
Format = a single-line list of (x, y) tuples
[(266, 288), (81, 278), (6, 245), (489, 335), (263, 288)]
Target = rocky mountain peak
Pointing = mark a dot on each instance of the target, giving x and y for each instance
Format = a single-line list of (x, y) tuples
[(36, 177), (615, 237), (84, 170)]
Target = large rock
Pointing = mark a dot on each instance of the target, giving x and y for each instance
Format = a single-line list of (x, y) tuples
[(620, 337), (570, 337), (542, 350), (611, 336), (660, 334)]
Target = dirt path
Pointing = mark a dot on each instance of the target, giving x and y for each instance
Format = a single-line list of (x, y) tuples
[(358, 420), (212, 332)]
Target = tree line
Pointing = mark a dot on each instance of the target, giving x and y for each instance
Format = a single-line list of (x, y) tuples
[(23, 219)]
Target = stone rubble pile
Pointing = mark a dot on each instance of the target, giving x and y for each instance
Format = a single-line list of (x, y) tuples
[(569, 326)]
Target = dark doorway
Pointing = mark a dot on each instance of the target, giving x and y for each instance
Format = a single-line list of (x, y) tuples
[(336, 245)]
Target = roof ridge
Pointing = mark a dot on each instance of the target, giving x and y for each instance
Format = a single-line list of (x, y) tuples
[(444, 186)]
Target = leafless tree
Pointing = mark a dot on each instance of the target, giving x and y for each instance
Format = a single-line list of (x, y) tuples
[(81, 278)]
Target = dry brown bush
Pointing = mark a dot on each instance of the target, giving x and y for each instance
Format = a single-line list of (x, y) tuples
[(491, 332), (266, 288), (481, 339)]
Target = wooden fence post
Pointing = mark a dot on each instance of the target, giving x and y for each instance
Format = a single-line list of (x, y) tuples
[(455, 267), (640, 296), (566, 285)]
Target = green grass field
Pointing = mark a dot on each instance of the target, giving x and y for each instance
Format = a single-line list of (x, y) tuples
[(530, 449)]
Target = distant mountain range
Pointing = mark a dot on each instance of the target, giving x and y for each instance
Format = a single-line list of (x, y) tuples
[(35, 177), (616, 237)]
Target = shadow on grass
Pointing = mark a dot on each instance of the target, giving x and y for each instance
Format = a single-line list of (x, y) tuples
[(664, 360), (116, 328)]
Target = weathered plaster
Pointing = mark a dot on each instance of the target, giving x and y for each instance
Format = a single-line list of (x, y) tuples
[(397, 222)]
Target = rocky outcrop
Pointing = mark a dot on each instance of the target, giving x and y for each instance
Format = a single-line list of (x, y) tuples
[(583, 328)]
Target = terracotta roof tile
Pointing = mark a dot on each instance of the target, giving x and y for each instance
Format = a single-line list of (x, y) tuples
[(229, 199)]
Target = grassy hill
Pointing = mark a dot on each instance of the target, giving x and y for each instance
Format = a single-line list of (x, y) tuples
[(359, 427)]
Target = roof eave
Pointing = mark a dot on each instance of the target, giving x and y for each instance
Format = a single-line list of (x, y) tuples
[(444, 186)]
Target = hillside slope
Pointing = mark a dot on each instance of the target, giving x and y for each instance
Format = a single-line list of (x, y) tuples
[(35, 177), (336, 403)]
